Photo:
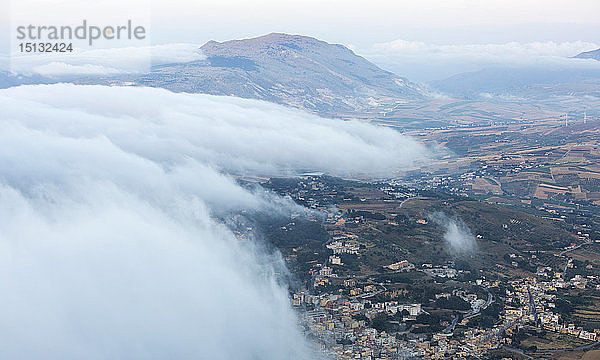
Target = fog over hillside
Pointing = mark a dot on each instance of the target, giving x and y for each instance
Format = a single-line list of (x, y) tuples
[(109, 243), (457, 235)]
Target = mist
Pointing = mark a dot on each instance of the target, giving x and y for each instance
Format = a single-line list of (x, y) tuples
[(102, 61), (110, 243), (457, 235), (425, 62)]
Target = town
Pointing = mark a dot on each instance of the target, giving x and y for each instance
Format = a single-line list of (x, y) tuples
[(379, 282)]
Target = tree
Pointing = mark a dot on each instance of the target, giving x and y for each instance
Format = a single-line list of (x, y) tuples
[(564, 307), (452, 303), (380, 321), (401, 315)]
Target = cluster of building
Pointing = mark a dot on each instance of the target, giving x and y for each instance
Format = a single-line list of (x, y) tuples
[(341, 319), (344, 244), (403, 265), (537, 305), (341, 326), (442, 272), (340, 323)]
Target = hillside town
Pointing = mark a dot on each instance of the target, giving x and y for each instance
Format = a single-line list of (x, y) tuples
[(361, 301), (347, 322)]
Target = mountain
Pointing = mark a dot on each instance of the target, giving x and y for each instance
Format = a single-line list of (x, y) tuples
[(594, 54), (8, 79), (527, 82), (293, 70)]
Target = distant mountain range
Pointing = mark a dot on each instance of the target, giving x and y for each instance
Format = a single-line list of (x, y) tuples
[(527, 82), (594, 54), (8, 79), (331, 80), (293, 70), (531, 82)]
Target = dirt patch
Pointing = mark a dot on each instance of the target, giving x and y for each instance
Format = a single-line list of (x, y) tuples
[(591, 355)]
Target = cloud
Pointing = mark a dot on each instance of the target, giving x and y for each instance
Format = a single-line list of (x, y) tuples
[(62, 69), (170, 53), (104, 61), (423, 61), (109, 243), (457, 235), (233, 134), (490, 51)]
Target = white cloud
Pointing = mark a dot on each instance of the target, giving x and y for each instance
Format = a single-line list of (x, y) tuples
[(511, 49), (104, 61), (62, 69), (169, 53), (108, 244), (229, 133), (423, 61)]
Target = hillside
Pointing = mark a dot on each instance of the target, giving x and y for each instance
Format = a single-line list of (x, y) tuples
[(529, 83)]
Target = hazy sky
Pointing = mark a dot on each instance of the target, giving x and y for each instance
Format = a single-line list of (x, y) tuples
[(383, 20), (359, 23), (365, 22)]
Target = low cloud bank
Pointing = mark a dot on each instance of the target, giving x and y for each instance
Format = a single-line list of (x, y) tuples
[(103, 62), (425, 62), (109, 243), (500, 52)]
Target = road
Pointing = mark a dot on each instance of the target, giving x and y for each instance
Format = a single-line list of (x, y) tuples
[(565, 269), (532, 305), (517, 351), (562, 253), (451, 327)]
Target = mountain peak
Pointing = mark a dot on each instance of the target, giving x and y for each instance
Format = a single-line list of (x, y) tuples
[(294, 70), (279, 41), (273, 37), (310, 73)]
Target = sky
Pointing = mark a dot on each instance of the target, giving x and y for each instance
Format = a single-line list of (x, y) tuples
[(355, 22), (423, 40), (366, 22)]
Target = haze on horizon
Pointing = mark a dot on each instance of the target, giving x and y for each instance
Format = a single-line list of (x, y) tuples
[(350, 22), (365, 23)]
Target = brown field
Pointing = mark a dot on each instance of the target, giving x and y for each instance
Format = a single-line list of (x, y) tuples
[(589, 253), (592, 355)]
